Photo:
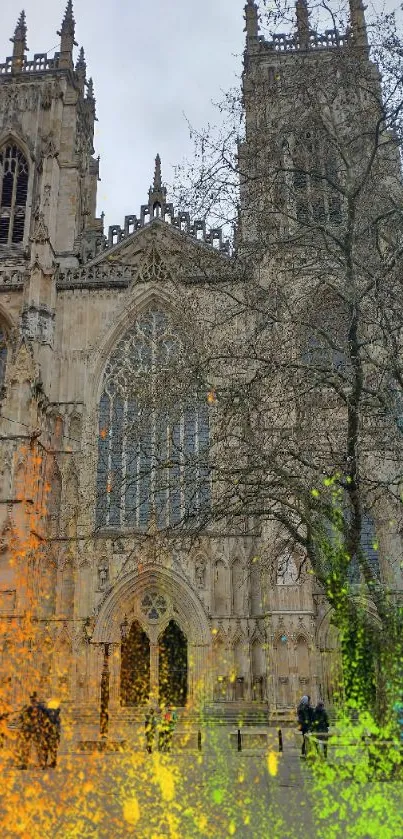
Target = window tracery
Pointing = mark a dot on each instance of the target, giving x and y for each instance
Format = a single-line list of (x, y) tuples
[(13, 194), (153, 432)]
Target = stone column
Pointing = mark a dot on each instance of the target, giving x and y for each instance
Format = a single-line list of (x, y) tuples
[(114, 668)]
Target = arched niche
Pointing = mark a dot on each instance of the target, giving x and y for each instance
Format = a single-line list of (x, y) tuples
[(240, 668), (258, 668), (255, 588), (238, 585), (283, 687), (53, 501), (303, 664), (221, 669), (67, 590), (220, 588)]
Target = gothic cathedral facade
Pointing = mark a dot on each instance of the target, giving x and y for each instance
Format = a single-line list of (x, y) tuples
[(89, 593)]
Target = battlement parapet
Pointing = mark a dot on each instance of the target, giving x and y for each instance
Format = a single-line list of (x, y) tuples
[(39, 64)]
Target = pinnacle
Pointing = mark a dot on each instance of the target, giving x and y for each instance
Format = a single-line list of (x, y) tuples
[(90, 89), (157, 174), (21, 27), (68, 23), (81, 63), (68, 15)]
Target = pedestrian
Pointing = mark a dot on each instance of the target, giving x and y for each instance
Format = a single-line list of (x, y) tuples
[(39, 723), (305, 716), (320, 725), (31, 729), (150, 725), (51, 733)]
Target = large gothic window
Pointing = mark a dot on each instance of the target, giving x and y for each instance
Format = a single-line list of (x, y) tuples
[(153, 432), (13, 194)]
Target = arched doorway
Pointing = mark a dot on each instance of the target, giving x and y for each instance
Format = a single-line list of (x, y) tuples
[(173, 666), (135, 667)]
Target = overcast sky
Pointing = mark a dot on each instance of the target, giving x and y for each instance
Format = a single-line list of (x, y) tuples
[(152, 61)]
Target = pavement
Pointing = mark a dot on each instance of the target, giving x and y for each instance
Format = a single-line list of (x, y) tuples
[(212, 795)]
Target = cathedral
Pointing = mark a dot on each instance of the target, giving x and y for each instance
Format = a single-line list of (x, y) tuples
[(96, 607)]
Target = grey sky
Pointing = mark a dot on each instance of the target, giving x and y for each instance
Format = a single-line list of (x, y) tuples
[(152, 62)]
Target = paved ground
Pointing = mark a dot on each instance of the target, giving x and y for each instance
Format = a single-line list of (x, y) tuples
[(214, 795)]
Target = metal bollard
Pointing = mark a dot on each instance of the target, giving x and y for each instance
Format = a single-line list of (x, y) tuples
[(280, 740), (239, 740), (199, 741)]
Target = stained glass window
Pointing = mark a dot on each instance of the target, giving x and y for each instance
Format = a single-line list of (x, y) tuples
[(153, 433)]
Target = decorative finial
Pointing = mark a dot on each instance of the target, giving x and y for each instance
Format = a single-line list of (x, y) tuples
[(302, 24), (252, 20), (68, 24), (358, 24), (157, 174), (81, 70), (20, 43), (90, 89), (81, 65)]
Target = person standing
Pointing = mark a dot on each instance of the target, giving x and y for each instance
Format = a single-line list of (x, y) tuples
[(305, 717), (320, 725), (31, 730), (52, 732)]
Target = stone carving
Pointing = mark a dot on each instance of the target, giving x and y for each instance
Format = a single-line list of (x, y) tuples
[(49, 146), (19, 98), (40, 233), (153, 268), (200, 572), (103, 574)]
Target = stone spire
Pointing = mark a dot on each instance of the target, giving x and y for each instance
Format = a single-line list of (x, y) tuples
[(67, 38), (302, 24), (252, 21), (358, 24), (19, 42), (81, 69), (157, 174), (157, 195)]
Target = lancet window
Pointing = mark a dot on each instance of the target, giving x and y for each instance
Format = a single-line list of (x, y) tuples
[(13, 194), (153, 433)]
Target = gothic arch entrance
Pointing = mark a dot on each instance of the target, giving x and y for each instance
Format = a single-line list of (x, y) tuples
[(159, 641), (172, 666)]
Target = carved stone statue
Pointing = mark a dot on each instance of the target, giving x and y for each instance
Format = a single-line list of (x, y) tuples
[(103, 574), (200, 572)]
